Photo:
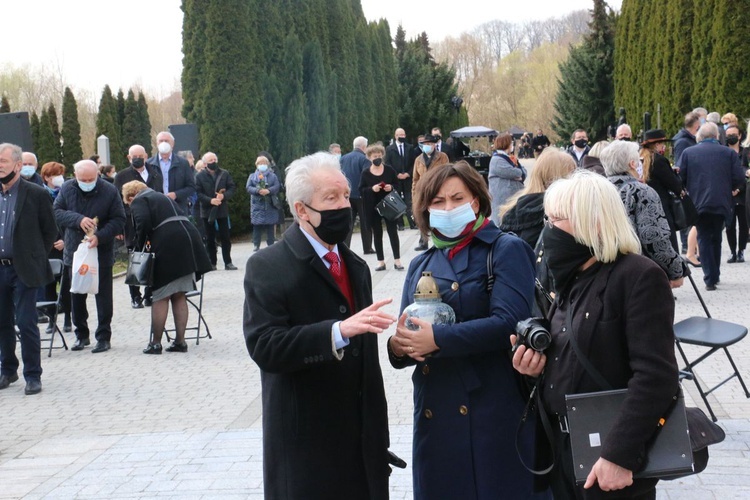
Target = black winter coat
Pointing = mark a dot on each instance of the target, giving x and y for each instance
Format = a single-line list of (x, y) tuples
[(154, 181), (207, 187), (178, 245), (72, 205), (324, 419), (526, 218)]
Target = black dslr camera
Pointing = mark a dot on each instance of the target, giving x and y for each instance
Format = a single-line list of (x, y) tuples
[(533, 333)]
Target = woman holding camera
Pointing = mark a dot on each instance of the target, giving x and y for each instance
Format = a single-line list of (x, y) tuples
[(467, 398), (604, 311)]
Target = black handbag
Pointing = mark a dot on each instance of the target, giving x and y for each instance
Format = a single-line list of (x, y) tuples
[(140, 268), (683, 210), (391, 207)]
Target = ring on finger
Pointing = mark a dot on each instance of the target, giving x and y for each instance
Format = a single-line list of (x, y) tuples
[(369, 319), (411, 349)]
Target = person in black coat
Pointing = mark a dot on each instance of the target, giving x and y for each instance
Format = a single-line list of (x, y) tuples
[(215, 188), (400, 157), (177, 177), (605, 305), (81, 200), (151, 176), (658, 173), (737, 228), (28, 231), (313, 335), (180, 259), (375, 184)]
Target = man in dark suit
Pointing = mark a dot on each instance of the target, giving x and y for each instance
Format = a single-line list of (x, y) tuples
[(352, 165), (710, 172), (313, 335), (150, 176), (441, 146), (215, 187), (27, 232), (400, 157), (178, 179)]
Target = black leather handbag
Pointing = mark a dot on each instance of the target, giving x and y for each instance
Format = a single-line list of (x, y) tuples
[(140, 268), (391, 207), (683, 210)]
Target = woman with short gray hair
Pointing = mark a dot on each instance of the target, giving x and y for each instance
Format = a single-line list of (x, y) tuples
[(620, 161)]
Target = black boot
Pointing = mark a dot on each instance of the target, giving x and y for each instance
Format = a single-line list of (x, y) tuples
[(741, 256), (51, 326), (732, 259), (68, 325)]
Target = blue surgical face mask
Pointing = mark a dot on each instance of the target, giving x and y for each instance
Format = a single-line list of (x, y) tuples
[(27, 171), (726, 126), (426, 148), (87, 187), (262, 168), (451, 223)]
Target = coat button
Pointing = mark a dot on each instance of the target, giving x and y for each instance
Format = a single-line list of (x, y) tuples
[(454, 286), (425, 370), (428, 414), (355, 352), (463, 410), (342, 309)]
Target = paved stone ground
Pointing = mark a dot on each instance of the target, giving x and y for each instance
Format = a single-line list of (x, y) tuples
[(124, 425)]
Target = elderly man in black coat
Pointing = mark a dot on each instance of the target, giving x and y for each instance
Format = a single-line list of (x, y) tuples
[(151, 177), (80, 201), (313, 335), (400, 157), (215, 187), (27, 232), (178, 179)]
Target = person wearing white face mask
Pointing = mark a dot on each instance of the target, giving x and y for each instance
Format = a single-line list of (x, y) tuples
[(28, 170), (430, 158), (263, 186), (467, 404), (177, 177), (76, 206)]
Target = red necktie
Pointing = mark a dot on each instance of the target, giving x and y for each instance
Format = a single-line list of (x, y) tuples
[(335, 268)]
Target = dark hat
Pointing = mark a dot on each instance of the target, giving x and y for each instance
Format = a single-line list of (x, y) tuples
[(654, 135), (429, 138)]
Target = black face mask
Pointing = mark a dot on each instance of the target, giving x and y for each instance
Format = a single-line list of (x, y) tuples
[(732, 140), (402, 140), (626, 139), (437, 137), (564, 255), (8, 178), (212, 166), (334, 224), (377, 162), (137, 162), (581, 143)]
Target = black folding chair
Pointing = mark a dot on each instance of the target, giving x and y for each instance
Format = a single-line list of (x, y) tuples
[(50, 308), (714, 334), (195, 299)]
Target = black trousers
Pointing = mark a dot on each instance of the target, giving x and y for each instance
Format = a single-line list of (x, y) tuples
[(364, 228), (259, 230), (405, 192), (738, 218), (18, 307), (710, 227), (376, 222), (103, 307), (226, 244)]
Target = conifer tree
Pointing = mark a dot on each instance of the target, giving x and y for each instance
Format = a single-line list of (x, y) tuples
[(120, 109), (144, 137), (293, 116), (71, 130), (318, 135), (54, 123), (131, 124), (194, 33), (106, 124), (34, 125), (48, 149), (4, 105)]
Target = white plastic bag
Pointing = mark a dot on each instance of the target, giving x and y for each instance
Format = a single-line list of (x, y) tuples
[(85, 271)]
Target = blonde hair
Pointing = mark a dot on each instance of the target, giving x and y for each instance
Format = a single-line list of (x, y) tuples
[(551, 165), (131, 189), (730, 118), (375, 149), (596, 214), (596, 149)]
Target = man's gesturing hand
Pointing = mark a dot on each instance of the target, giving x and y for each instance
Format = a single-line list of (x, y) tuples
[(370, 319)]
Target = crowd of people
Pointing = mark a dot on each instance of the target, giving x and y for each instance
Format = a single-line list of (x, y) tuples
[(591, 225)]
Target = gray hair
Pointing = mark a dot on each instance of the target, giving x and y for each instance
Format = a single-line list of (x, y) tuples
[(83, 164), (617, 156), (360, 142), (333, 146), (623, 128), (708, 130), (701, 111), (167, 133), (713, 117), (187, 154), (299, 185), (16, 153), (596, 149), (135, 146)]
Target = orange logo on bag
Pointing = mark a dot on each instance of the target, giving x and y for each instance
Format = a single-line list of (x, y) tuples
[(83, 269)]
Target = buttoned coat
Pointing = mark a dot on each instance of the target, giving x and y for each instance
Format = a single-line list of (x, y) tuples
[(181, 179), (207, 187), (263, 209), (323, 418), (34, 232), (467, 397), (154, 181)]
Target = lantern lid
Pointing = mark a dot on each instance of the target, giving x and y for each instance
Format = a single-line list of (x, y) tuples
[(427, 287)]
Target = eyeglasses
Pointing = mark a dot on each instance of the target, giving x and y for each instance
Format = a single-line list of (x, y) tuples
[(550, 221)]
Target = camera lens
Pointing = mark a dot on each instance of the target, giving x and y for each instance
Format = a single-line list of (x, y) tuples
[(539, 339)]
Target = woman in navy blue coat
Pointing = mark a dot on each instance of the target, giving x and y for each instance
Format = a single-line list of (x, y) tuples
[(467, 399), (263, 186)]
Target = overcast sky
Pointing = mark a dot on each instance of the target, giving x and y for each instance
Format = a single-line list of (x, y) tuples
[(139, 42)]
